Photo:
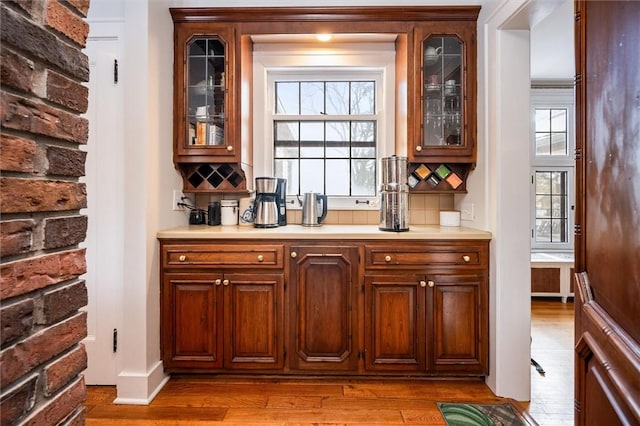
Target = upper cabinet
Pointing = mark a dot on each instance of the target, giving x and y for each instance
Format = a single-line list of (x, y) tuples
[(445, 77), (203, 114), (442, 130)]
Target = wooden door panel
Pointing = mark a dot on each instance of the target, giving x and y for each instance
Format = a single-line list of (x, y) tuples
[(254, 321), (607, 329), (192, 323), (325, 285), (394, 323), (458, 325)]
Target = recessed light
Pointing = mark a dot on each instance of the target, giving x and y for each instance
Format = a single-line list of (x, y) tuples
[(323, 37)]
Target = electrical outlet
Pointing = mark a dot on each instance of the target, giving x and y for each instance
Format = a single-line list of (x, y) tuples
[(177, 198), (467, 211)]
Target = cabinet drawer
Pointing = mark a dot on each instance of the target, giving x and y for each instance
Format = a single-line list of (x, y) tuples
[(420, 257), (228, 256)]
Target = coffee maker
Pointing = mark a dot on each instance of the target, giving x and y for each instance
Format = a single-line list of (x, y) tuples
[(270, 205)]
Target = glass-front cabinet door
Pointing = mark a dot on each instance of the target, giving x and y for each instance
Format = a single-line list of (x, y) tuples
[(446, 83), (204, 131)]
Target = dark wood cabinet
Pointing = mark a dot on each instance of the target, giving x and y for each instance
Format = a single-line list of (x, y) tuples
[(323, 305), (395, 337), (427, 308), (191, 328), (327, 307), (215, 319), (459, 320)]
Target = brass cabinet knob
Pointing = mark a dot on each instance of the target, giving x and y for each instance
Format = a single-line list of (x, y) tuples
[(218, 281), (423, 283), (229, 148), (418, 148), (225, 282), (182, 258), (294, 254), (466, 258), (387, 258), (430, 283), (260, 258)]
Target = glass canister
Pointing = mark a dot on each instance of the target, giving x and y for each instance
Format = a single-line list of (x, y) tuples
[(229, 212)]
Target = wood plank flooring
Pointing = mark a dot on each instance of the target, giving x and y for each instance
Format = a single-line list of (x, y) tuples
[(211, 400)]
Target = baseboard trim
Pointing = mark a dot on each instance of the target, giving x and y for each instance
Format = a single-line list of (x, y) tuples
[(140, 389)]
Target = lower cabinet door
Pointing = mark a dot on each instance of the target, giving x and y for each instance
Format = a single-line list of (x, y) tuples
[(459, 323), (394, 323), (254, 321), (192, 321), (324, 314)]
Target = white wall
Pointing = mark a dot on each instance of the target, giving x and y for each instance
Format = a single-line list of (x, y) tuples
[(552, 45)]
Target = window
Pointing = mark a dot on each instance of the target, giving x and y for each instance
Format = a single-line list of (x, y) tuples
[(552, 176), (324, 117), (325, 137)]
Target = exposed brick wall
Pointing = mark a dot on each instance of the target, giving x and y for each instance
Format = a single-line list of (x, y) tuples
[(42, 99)]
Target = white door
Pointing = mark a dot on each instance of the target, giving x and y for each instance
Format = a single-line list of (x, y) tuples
[(105, 204)]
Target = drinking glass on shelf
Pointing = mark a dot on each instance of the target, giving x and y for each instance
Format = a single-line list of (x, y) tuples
[(433, 130)]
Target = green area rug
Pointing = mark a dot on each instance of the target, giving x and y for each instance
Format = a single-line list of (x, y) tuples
[(480, 415)]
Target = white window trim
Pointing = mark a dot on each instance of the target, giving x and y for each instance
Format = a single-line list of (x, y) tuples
[(361, 61), (554, 98)]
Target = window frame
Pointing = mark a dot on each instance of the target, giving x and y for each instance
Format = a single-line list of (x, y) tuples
[(340, 62), (553, 98)]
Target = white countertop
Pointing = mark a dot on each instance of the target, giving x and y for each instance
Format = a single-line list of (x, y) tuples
[(364, 232)]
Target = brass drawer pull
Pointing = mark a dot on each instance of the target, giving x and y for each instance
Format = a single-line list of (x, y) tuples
[(418, 148), (423, 284), (182, 258), (229, 148), (260, 258), (430, 283), (294, 254), (225, 282), (466, 258), (218, 281), (387, 258)]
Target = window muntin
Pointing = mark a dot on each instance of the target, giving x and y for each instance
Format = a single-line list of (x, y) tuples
[(325, 136)]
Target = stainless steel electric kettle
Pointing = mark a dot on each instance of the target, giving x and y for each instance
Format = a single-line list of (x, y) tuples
[(314, 209)]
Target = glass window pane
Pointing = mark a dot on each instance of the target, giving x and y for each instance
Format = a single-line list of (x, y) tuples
[(543, 182), (363, 131), (286, 131), (559, 185), (362, 97), (543, 230), (558, 120), (543, 206), (363, 149), (337, 97), (216, 47), (312, 176), (337, 149), (312, 97), (363, 177), (558, 231), (543, 117), (287, 97), (198, 47), (543, 143), (338, 177), (286, 150), (558, 206), (312, 131), (559, 144), (337, 130), (311, 149), (288, 169)]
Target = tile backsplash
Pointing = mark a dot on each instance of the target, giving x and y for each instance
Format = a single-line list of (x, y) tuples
[(424, 209)]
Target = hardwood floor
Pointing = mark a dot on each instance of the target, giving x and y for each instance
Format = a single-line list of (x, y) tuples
[(209, 400), (552, 347)]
